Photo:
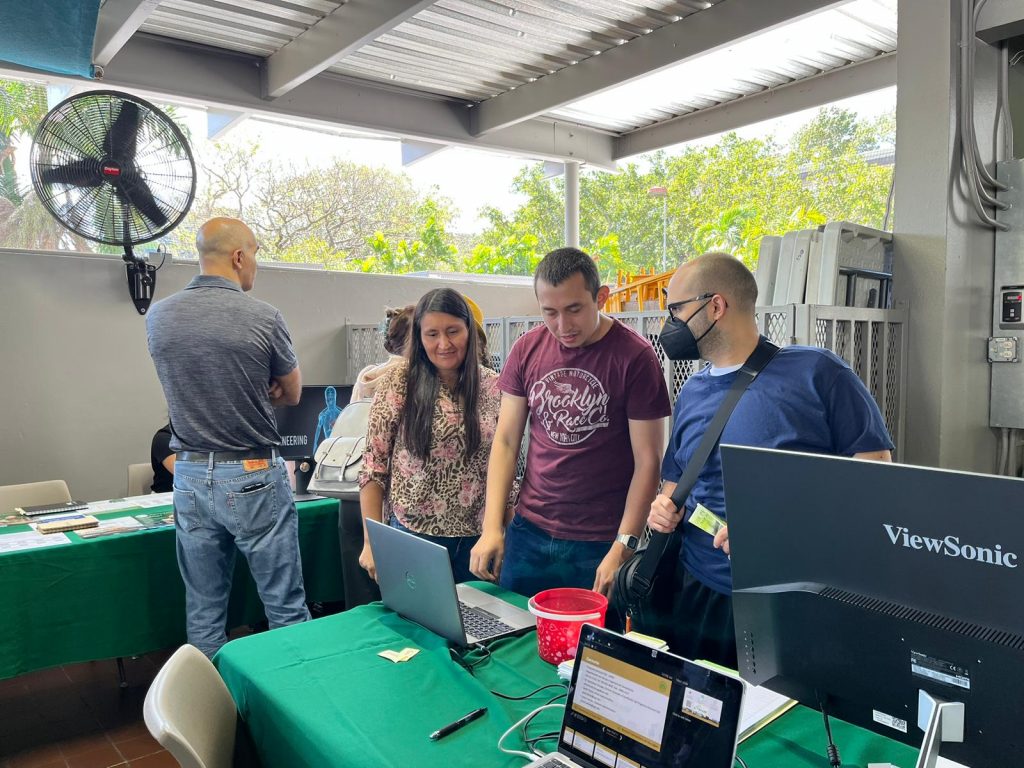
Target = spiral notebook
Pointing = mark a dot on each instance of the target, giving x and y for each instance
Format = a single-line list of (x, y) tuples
[(52, 509)]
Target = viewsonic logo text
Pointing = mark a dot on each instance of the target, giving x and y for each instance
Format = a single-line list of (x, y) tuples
[(950, 546)]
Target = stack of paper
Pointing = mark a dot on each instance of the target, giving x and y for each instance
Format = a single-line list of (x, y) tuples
[(760, 707)]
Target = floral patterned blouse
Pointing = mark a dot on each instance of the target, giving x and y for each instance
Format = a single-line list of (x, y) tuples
[(444, 495)]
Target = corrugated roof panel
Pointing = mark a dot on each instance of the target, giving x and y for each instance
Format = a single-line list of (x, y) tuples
[(475, 49), (825, 41), (509, 43), (251, 26), (210, 35), (228, 17)]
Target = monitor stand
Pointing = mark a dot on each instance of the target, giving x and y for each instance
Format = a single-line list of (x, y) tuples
[(941, 721)]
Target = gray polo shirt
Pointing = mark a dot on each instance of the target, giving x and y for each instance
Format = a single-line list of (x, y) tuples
[(216, 350)]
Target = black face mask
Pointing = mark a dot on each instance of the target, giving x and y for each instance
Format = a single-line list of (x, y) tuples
[(678, 340)]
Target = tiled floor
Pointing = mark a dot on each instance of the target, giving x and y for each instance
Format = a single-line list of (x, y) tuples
[(76, 716)]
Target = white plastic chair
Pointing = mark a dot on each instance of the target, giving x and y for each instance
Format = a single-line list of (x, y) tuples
[(190, 712), (140, 479), (31, 494)]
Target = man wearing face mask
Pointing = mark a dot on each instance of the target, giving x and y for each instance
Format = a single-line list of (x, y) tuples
[(805, 399)]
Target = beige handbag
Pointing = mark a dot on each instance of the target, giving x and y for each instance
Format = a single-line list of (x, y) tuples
[(340, 457)]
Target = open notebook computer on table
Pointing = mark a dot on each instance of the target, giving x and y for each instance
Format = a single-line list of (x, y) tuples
[(415, 578), (630, 705)]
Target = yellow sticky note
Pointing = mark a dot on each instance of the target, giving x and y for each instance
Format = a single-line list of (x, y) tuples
[(399, 656)]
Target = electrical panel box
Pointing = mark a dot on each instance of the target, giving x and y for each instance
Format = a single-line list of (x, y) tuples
[(1007, 402), (1010, 305)]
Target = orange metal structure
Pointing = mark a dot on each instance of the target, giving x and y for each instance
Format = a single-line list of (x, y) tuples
[(638, 292)]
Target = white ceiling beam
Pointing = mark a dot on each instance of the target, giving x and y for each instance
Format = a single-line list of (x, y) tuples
[(118, 21), (552, 170), (851, 80), (163, 69), (722, 24), (340, 33), (220, 121), (414, 151)]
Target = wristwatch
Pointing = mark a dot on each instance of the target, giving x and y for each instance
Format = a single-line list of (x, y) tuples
[(628, 540)]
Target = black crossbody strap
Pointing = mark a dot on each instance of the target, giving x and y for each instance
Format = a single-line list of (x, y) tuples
[(643, 576)]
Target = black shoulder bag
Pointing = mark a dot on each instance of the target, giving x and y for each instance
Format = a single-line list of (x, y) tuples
[(642, 591)]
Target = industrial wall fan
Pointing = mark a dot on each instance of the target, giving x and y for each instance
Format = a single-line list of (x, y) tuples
[(115, 169)]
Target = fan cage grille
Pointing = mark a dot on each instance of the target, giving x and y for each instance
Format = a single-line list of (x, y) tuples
[(150, 180)]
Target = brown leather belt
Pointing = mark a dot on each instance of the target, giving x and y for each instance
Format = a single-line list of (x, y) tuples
[(219, 457)]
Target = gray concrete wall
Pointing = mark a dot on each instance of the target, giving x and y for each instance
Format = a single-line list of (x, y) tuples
[(80, 397), (944, 260)]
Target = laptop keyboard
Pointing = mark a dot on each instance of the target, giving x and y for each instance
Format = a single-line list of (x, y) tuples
[(550, 763), (480, 624)]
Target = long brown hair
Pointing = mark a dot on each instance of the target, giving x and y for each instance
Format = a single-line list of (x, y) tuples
[(422, 382)]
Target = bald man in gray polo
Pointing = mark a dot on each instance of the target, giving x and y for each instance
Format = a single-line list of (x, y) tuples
[(224, 360)]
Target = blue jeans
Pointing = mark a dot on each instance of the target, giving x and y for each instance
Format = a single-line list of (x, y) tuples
[(535, 561), (213, 516), (458, 550)]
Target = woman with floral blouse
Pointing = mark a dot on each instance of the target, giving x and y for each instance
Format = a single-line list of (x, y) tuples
[(430, 431)]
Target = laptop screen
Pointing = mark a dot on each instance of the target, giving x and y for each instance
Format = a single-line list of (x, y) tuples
[(630, 705)]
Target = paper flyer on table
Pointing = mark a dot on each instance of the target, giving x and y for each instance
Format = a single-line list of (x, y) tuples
[(14, 542), (111, 505), (155, 500), (132, 502)]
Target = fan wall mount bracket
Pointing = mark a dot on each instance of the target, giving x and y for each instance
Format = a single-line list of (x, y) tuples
[(141, 280)]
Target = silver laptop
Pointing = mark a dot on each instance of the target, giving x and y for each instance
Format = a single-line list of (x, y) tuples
[(630, 705), (415, 578)]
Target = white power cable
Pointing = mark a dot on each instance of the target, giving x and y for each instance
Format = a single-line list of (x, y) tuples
[(533, 755), (969, 158), (986, 177), (969, 138), (1003, 104)]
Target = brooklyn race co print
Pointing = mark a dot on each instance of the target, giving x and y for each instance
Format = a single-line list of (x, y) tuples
[(570, 405)]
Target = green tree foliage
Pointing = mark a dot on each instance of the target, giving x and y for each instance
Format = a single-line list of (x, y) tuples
[(725, 196), (343, 216), (513, 255), (22, 106), (430, 250)]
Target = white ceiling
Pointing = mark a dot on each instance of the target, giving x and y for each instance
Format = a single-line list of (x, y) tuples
[(586, 80)]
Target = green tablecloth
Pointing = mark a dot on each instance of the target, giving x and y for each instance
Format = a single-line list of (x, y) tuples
[(317, 694), (122, 595)]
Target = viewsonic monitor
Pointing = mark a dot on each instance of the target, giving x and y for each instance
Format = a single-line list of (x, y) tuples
[(303, 426), (858, 584)]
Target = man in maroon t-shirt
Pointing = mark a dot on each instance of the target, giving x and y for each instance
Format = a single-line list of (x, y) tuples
[(596, 399)]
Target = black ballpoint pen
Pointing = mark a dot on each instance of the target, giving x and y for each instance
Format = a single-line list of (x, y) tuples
[(444, 730)]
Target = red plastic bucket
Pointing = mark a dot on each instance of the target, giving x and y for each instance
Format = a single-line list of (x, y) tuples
[(560, 613)]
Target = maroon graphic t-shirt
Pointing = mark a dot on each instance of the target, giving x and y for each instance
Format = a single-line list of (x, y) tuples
[(580, 461)]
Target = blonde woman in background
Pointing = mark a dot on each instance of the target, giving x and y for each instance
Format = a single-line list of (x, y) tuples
[(396, 335)]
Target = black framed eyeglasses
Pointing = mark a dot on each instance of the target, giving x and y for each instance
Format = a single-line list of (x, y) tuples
[(675, 306)]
